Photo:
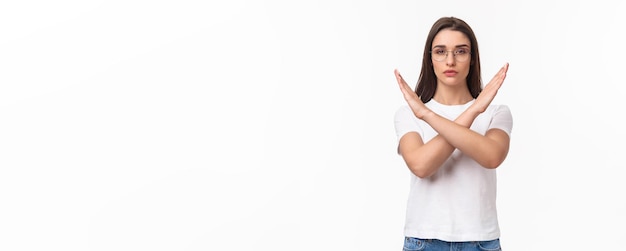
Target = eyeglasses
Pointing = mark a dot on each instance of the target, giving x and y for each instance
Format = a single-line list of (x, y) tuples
[(460, 54)]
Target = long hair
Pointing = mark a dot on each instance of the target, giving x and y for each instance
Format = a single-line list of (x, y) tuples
[(427, 81)]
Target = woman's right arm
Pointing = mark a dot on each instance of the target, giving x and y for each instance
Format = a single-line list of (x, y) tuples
[(424, 159)]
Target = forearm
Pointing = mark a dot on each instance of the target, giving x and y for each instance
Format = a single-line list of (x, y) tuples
[(487, 151), (425, 159)]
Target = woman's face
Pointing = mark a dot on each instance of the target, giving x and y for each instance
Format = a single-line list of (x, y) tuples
[(451, 57)]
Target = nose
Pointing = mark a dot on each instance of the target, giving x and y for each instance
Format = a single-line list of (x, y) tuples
[(450, 59)]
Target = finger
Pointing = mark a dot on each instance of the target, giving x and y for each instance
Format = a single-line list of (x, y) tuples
[(399, 77), (503, 70), (500, 75), (498, 80), (406, 90), (401, 82)]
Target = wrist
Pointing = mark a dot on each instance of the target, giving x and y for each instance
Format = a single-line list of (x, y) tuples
[(474, 109), (425, 114)]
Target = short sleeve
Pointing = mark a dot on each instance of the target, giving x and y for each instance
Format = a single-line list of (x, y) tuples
[(502, 119), (405, 121)]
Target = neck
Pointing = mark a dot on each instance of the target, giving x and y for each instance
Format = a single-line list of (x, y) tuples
[(452, 96)]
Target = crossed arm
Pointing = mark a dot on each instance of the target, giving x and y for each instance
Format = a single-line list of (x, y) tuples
[(424, 159)]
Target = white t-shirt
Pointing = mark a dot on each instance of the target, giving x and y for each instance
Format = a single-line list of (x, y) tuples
[(458, 202)]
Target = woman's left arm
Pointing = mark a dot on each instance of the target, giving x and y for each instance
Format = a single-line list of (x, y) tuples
[(488, 150)]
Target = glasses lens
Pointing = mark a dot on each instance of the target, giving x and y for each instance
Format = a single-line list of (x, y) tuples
[(461, 55), (439, 55)]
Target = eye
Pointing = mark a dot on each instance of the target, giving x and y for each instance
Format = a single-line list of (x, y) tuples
[(461, 51), (439, 51)]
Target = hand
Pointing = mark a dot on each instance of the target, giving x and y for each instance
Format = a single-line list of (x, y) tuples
[(416, 104), (491, 89)]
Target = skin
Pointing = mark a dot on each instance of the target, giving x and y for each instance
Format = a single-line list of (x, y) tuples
[(489, 150)]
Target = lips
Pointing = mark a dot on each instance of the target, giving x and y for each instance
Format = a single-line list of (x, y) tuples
[(450, 73)]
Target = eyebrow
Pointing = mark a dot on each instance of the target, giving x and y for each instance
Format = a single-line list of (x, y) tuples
[(443, 46)]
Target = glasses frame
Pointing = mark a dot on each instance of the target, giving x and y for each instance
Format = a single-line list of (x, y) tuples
[(469, 53)]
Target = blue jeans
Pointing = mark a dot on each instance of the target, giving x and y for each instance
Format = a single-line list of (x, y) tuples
[(414, 244)]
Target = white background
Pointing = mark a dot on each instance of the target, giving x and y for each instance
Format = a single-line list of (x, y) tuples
[(236, 125)]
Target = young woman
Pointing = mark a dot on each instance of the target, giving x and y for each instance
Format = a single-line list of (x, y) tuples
[(452, 139)]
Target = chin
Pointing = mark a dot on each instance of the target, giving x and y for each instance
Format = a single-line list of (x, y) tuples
[(453, 81)]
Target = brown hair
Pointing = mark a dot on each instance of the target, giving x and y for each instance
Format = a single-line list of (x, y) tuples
[(427, 81)]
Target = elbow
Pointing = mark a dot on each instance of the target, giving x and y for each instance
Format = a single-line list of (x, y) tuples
[(494, 156), (420, 171), (491, 165), (493, 162), (421, 174)]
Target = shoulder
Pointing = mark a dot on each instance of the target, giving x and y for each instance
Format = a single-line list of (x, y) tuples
[(403, 112), (500, 117), (404, 117), (499, 108)]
